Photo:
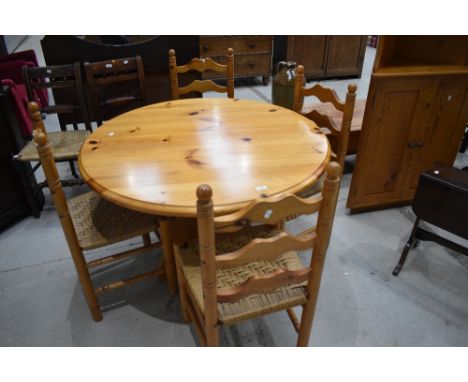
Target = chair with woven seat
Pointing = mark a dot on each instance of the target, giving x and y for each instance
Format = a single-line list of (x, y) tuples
[(244, 265), (90, 222), (201, 65), (65, 143), (331, 115), (115, 87)]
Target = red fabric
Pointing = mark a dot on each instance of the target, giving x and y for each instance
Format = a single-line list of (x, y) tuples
[(20, 100)]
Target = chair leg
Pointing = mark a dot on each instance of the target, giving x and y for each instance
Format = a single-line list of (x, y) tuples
[(146, 239), (409, 244), (182, 293), (168, 252), (212, 336), (73, 169), (87, 285)]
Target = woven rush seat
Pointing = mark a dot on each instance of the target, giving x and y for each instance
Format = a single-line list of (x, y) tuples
[(253, 305), (65, 145), (98, 222)]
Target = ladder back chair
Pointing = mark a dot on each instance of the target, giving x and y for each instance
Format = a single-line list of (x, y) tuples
[(323, 120), (201, 65), (115, 86), (243, 265), (65, 143), (90, 222)]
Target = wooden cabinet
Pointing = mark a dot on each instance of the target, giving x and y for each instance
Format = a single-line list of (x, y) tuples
[(252, 54), (328, 56), (415, 115)]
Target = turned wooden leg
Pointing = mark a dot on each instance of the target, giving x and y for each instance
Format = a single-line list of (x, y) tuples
[(409, 244), (266, 79), (146, 239), (182, 293), (168, 252)]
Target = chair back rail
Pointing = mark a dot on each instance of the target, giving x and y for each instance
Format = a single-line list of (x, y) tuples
[(270, 211), (322, 120), (58, 77), (264, 249), (201, 65), (104, 74), (263, 284)]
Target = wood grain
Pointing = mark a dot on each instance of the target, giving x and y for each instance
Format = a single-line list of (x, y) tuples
[(151, 159)]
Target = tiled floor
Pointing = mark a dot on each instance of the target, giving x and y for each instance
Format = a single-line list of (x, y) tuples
[(360, 303)]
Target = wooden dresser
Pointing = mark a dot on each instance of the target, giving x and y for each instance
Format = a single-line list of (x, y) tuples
[(252, 54), (416, 113)]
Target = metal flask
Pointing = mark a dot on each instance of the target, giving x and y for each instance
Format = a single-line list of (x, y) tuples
[(282, 90)]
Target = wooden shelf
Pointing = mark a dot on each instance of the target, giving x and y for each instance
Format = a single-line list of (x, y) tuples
[(415, 69)]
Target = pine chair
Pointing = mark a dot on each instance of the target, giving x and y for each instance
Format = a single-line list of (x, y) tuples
[(90, 222), (115, 87), (243, 265), (201, 65), (339, 132), (65, 143)]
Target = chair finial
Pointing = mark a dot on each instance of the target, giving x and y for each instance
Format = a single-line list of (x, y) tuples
[(204, 192), (352, 88), (333, 170), (171, 52), (300, 69), (230, 51)]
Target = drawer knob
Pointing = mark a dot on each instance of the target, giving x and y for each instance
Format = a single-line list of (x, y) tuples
[(205, 46), (416, 145), (251, 64), (252, 44)]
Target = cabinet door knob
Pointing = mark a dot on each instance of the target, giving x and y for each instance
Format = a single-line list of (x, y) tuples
[(252, 44), (416, 145), (251, 64), (205, 46)]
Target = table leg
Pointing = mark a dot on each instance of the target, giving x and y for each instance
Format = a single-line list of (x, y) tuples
[(168, 252)]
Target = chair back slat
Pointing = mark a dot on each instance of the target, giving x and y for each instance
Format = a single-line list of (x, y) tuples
[(263, 284), (323, 120), (201, 65), (324, 95), (109, 85), (202, 86), (64, 79), (266, 249), (270, 211)]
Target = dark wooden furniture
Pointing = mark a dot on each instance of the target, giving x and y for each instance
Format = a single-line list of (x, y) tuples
[(416, 113), (19, 195), (244, 265), (441, 199), (202, 65), (324, 56), (59, 50), (65, 143), (253, 54), (115, 86)]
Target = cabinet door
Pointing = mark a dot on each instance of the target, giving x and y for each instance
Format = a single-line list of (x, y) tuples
[(392, 118), (441, 139), (309, 51), (345, 55)]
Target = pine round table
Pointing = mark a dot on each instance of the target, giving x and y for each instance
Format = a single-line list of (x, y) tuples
[(153, 158)]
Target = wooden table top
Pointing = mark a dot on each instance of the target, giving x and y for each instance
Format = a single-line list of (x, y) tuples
[(152, 159)]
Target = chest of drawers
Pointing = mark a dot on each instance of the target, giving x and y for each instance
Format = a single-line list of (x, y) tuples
[(252, 54)]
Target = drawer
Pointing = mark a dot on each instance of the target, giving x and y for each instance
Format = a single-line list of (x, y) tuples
[(217, 45), (246, 65)]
